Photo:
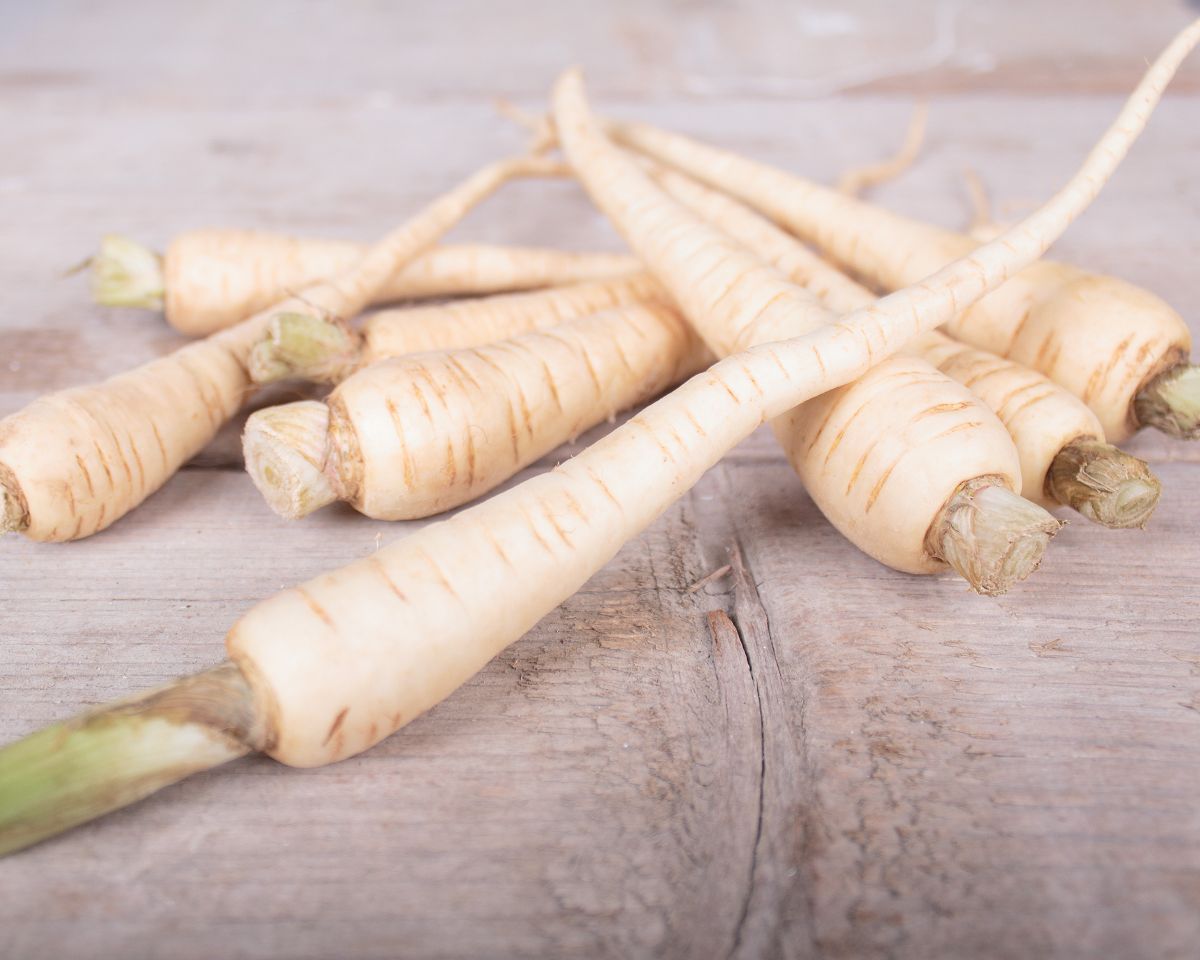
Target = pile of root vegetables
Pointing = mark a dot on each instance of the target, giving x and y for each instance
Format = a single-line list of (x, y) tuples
[(937, 395)]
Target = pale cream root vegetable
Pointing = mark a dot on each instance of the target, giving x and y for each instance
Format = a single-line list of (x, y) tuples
[(210, 279), (1063, 456), (882, 457), (73, 462), (327, 669), (416, 435), (328, 351), (1119, 348)]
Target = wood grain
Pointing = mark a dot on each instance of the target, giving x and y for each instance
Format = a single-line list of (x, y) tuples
[(807, 756)]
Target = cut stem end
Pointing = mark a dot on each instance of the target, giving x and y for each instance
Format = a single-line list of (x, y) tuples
[(991, 536), (14, 518), (285, 449), (127, 274), (1104, 484), (305, 346), (1171, 402), (75, 771)]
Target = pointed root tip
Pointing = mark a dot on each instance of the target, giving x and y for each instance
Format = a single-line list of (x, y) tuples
[(285, 451), (992, 537), (1104, 484), (301, 345), (1171, 402), (127, 274)]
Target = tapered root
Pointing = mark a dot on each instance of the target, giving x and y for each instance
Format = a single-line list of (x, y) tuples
[(285, 449), (126, 274), (991, 536), (1103, 483), (858, 180), (72, 772), (1171, 402), (300, 345)]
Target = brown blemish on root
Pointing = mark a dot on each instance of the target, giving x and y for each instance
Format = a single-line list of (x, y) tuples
[(316, 608), (381, 570), (336, 725)]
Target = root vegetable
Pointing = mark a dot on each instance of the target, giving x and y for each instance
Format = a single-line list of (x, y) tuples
[(73, 462), (416, 435), (332, 667), (1055, 434), (328, 351), (210, 279), (1121, 349)]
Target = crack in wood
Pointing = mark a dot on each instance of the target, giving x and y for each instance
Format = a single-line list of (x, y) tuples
[(775, 917)]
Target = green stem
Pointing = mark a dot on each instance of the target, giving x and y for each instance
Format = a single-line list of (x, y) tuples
[(100, 761), (1104, 484), (126, 274), (285, 450), (301, 345), (1171, 402), (991, 536)]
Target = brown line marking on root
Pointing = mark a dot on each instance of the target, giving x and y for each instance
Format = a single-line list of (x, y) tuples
[(549, 376), (162, 449), (495, 544), (512, 430), (997, 366), (70, 500), (453, 361), (488, 361), (377, 565), (653, 434), (880, 483), (100, 517), (1015, 392), (939, 408), (316, 608), (958, 428), (416, 392), (337, 724), (526, 416), (470, 459), (753, 380), (598, 481), (841, 435), (1096, 380), (87, 477), (721, 380), (198, 386), (1027, 404), (862, 462), (451, 463), (562, 534), (1039, 359), (575, 507), (624, 357), (409, 469), (820, 362), (425, 375), (137, 458), (78, 527), (445, 583), (591, 369), (104, 463), (1019, 328), (695, 423), (533, 530)]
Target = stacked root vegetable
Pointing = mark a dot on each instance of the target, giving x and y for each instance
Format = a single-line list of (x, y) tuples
[(936, 407)]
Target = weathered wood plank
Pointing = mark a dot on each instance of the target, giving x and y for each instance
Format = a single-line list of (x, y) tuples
[(810, 757)]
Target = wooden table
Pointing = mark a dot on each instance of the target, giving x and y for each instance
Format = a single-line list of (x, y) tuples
[(858, 763)]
